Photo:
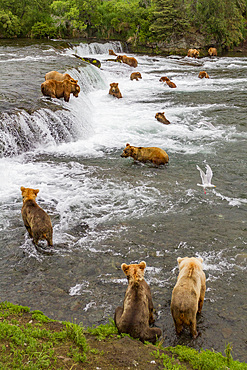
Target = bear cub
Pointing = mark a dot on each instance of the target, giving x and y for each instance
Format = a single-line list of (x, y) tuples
[(36, 220), (136, 314)]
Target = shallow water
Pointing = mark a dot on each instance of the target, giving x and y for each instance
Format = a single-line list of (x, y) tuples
[(107, 210)]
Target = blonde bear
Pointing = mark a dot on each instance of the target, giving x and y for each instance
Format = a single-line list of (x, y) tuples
[(188, 294)]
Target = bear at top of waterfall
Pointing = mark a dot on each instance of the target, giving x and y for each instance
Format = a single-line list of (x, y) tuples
[(212, 52), (114, 90), (146, 154), (203, 74), (160, 116), (193, 53), (135, 76), (131, 61), (111, 52), (188, 294), (36, 220), (60, 89), (54, 75), (136, 314)]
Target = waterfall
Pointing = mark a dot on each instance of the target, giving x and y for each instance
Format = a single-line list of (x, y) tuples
[(55, 121), (93, 48)]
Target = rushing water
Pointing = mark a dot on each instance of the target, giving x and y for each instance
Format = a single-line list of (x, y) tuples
[(107, 210)]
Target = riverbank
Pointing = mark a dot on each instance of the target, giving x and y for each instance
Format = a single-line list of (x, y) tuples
[(29, 340)]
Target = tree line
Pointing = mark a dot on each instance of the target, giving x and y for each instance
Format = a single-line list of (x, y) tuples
[(137, 21)]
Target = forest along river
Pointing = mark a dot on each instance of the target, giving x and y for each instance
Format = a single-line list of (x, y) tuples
[(107, 210)]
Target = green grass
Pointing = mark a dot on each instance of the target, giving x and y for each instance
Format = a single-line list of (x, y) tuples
[(206, 359), (32, 341), (104, 331)]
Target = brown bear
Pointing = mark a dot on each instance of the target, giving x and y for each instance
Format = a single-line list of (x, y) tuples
[(203, 74), (164, 79), (161, 118), (131, 61), (111, 52), (212, 52), (135, 76), (60, 89), (136, 314), (193, 53), (114, 90), (36, 220), (54, 75), (171, 84), (155, 155), (188, 294)]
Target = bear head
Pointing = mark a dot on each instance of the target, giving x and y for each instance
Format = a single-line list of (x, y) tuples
[(114, 87), (192, 262), (128, 151), (134, 272), (162, 79), (28, 193), (75, 89)]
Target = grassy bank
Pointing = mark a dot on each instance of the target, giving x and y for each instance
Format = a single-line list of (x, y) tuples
[(30, 340)]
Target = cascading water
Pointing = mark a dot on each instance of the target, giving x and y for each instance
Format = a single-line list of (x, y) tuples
[(107, 210)]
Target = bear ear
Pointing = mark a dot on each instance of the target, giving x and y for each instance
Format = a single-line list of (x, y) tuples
[(124, 267), (179, 259), (200, 259), (127, 144), (163, 112), (36, 191), (142, 265), (22, 188)]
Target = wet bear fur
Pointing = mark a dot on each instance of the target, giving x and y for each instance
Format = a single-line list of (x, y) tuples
[(54, 75), (144, 154), (188, 294), (160, 116), (36, 220), (135, 76), (212, 52), (136, 314), (60, 89), (131, 61), (111, 52), (203, 74), (164, 79), (114, 90), (171, 84), (168, 81), (193, 53)]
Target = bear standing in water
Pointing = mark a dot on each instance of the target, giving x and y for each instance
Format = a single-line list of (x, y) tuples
[(36, 220), (136, 314), (149, 154)]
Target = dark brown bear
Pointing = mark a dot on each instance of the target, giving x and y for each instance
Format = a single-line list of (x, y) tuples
[(36, 220), (136, 314)]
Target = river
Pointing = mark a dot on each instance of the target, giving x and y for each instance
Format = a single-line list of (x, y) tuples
[(107, 210)]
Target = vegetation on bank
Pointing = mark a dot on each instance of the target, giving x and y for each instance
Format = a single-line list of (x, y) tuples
[(30, 340), (139, 22)]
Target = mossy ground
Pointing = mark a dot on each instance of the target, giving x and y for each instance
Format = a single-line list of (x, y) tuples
[(30, 340)]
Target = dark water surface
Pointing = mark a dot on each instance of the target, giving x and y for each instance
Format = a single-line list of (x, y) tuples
[(107, 210)]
